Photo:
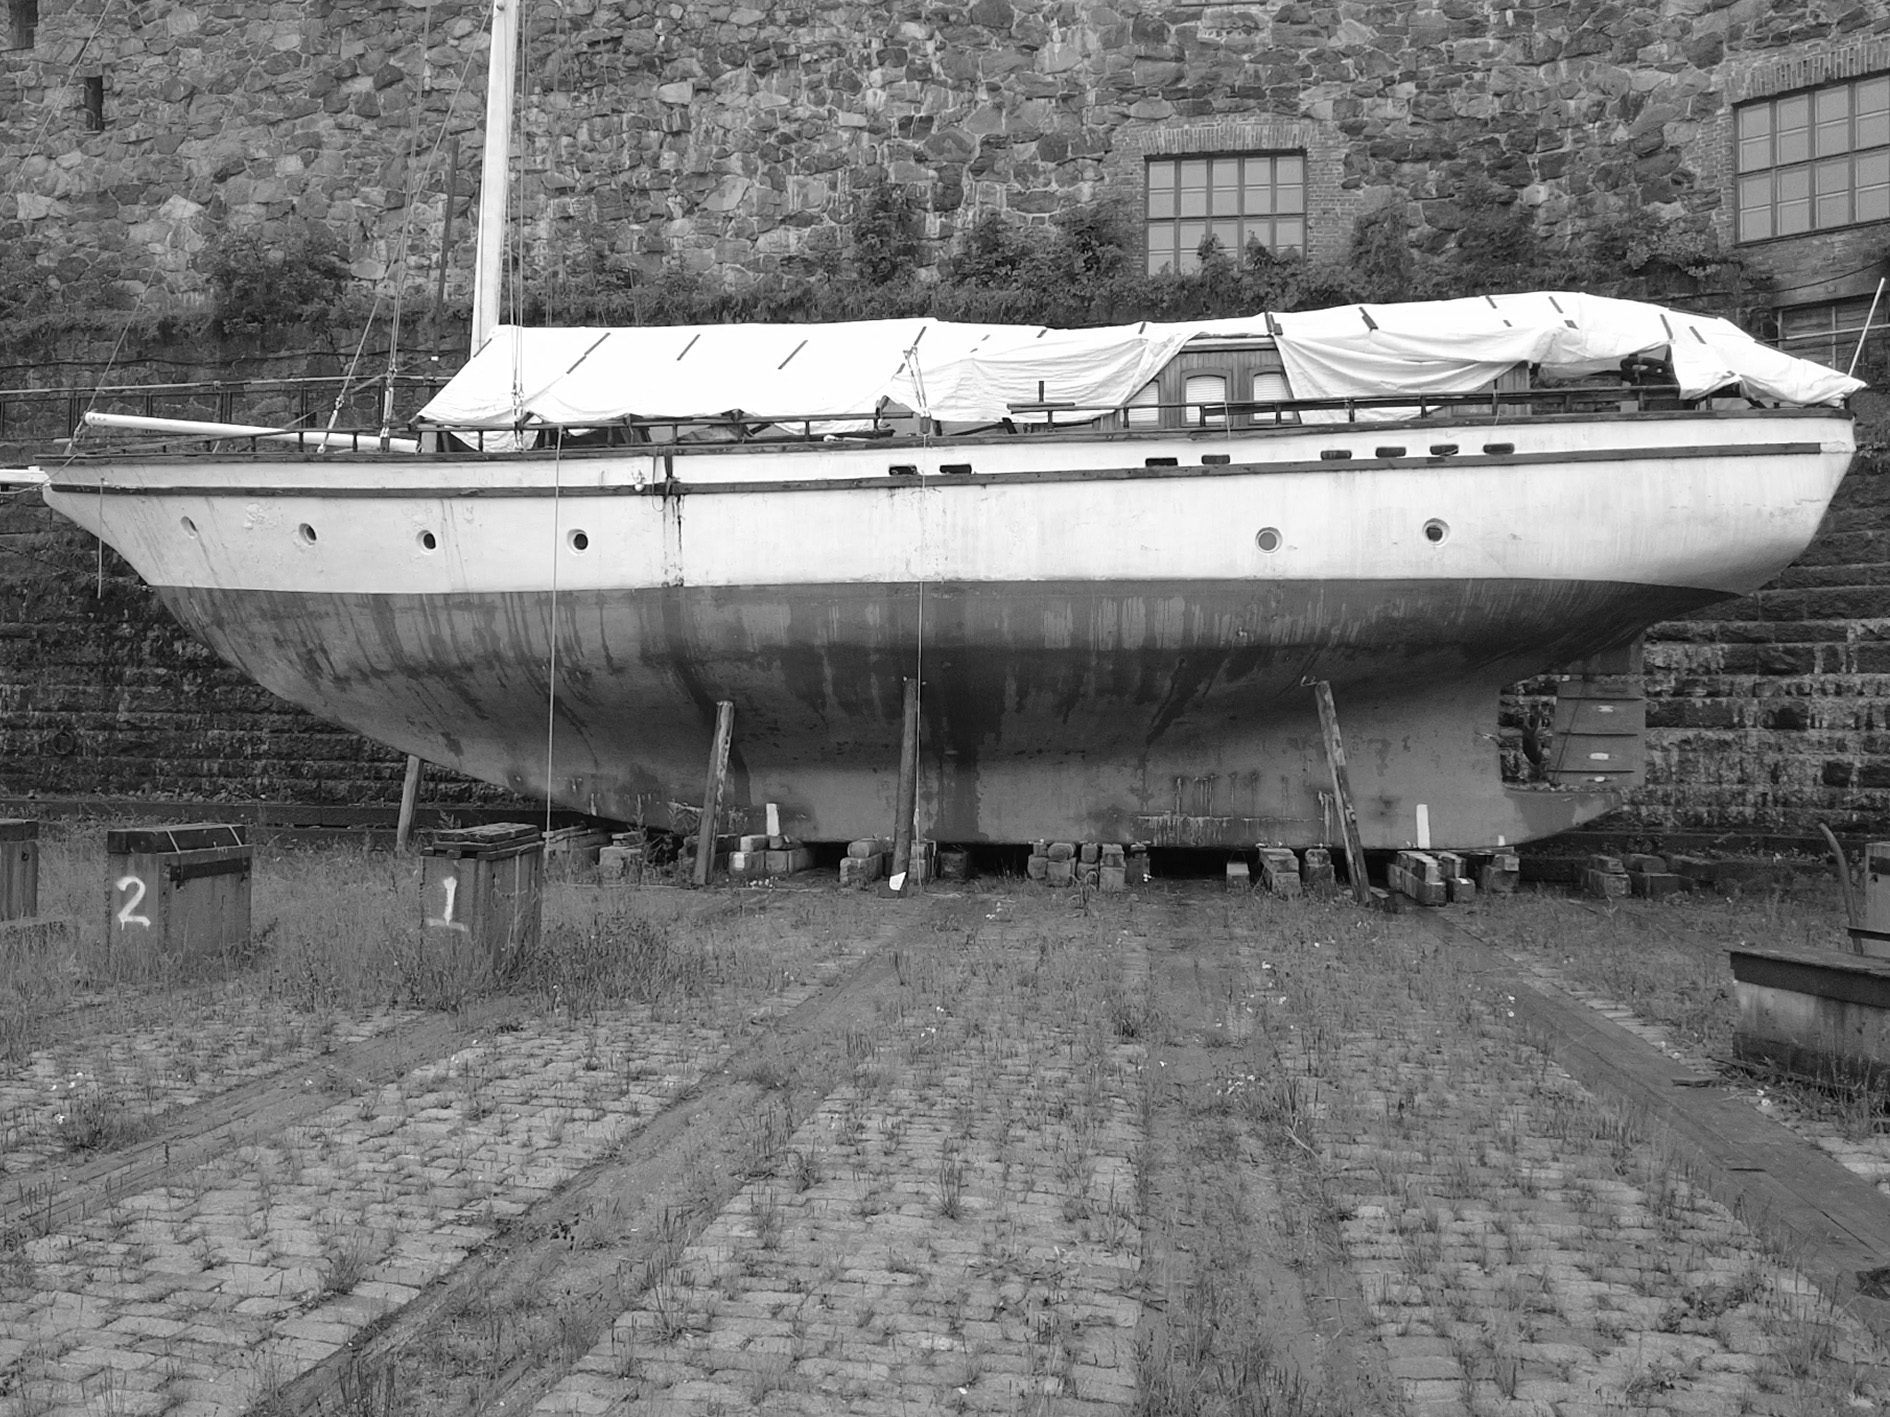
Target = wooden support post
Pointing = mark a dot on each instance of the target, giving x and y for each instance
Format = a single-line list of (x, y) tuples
[(908, 798), (409, 795), (712, 790), (1342, 791)]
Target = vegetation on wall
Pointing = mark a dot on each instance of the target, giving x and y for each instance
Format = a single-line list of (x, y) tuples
[(257, 282)]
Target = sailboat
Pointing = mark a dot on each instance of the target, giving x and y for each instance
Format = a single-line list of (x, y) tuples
[(1117, 561)]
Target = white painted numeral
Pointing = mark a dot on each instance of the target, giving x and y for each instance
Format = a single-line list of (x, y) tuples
[(445, 918), (125, 916)]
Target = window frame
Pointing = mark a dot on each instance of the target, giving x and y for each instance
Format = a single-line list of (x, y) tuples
[(22, 23), (1787, 151), (1248, 216)]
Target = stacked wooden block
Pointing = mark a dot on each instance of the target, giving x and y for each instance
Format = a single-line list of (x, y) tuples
[(1420, 876), (1500, 873), (760, 857), (1101, 866), (1279, 871), (1649, 877), (1605, 878), (624, 859), (865, 861)]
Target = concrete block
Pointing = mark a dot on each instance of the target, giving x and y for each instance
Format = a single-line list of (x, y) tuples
[(1407, 880), (1316, 871), (1238, 877), (1644, 863), (1462, 890), (1060, 851), (1501, 874), (1112, 854), (1610, 864), (1036, 866), (1089, 853), (1696, 871), (1605, 885), (861, 870), (1059, 872), (787, 861), (1112, 878), (620, 863), (1135, 863), (868, 846), (753, 842), (1655, 884), (1279, 869), (1452, 864)]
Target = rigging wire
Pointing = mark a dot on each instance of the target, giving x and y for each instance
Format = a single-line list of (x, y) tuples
[(551, 669)]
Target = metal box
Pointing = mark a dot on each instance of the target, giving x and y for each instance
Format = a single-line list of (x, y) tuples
[(19, 869), (179, 892), (482, 891)]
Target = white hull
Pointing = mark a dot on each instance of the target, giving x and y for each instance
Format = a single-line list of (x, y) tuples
[(1104, 636)]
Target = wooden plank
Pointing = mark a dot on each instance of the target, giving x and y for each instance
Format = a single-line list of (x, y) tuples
[(1342, 792), (907, 803), (409, 795), (712, 789), (1837, 1222)]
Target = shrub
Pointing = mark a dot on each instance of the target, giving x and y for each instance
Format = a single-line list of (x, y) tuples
[(258, 281)]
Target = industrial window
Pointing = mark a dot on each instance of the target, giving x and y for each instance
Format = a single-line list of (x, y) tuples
[(22, 20), (1811, 161), (1235, 199), (1829, 332)]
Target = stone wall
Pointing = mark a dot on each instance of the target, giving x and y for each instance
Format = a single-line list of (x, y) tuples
[(735, 139)]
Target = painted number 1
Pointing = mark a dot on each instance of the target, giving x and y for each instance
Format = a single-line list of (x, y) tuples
[(126, 917), (450, 888)]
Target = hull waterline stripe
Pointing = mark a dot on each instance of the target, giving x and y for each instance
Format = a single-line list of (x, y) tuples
[(966, 479)]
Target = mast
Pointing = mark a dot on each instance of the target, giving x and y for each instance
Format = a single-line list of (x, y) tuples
[(495, 175)]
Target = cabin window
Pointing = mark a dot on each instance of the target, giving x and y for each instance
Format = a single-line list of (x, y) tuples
[(1814, 160), (1271, 387), (1144, 410), (1235, 200), (22, 21), (1204, 389), (1829, 331)]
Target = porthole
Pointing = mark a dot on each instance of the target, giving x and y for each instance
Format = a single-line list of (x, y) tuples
[(579, 541), (306, 533), (1436, 532), (1268, 539), (428, 541), (190, 528)]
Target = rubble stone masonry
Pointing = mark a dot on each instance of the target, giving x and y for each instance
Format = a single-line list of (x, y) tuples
[(736, 139)]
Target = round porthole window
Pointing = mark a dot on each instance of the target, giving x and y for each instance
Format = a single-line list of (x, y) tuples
[(306, 533), (580, 541), (1267, 539), (1436, 532), (190, 527), (428, 541)]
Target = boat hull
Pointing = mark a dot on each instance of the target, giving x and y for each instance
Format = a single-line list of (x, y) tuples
[(1176, 713), (1115, 639)]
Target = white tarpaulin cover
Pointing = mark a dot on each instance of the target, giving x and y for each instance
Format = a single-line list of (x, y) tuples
[(965, 372)]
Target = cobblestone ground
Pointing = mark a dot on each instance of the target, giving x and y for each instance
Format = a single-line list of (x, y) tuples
[(1523, 1247), (962, 1223), (207, 1294), (958, 1228), (104, 1080)]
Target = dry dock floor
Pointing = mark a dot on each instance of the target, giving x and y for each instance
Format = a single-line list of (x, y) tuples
[(997, 1149)]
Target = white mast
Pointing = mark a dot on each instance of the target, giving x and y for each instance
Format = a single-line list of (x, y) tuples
[(495, 176)]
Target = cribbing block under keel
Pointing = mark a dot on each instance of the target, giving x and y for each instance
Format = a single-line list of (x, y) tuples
[(483, 898), (176, 893)]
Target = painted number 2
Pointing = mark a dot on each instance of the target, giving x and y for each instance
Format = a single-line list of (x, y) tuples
[(449, 887), (126, 917)]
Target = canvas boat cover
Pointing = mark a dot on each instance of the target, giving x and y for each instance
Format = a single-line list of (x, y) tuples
[(959, 372)]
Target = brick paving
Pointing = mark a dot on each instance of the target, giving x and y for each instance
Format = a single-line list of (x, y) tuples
[(960, 1224), (959, 1227)]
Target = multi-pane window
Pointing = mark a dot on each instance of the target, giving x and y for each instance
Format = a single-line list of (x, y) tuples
[(1814, 160), (1236, 199), (1829, 332), (22, 21)]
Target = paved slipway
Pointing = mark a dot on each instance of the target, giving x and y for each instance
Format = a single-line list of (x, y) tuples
[(1004, 1150)]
